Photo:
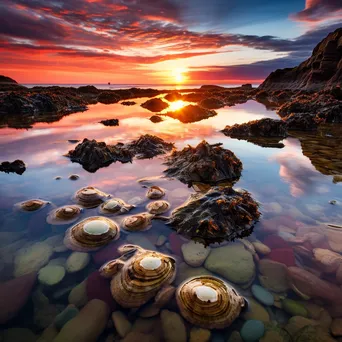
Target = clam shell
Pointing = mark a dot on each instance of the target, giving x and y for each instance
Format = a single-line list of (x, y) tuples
[(155, 192), (31, 205), (142, 277), (115, 206), (209, 302), (91, 234), (158, 207), (138, 223), (64, 215), (90, 197)]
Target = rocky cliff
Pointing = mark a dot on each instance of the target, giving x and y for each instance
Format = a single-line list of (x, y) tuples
[(323, 70)]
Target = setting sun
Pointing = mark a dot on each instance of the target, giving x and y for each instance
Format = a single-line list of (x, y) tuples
[(178, 75)]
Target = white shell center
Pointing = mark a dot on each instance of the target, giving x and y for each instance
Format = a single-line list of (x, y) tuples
[(111, 205), (150, 263), (89, 191), (96, 227), (206, 294), (68, 210)]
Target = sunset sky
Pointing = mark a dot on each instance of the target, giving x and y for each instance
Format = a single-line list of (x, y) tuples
[(159, 41)]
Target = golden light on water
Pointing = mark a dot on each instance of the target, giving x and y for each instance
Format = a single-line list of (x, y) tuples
[(176, 105)]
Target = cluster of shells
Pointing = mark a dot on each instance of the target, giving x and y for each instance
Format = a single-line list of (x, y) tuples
[(140, 276)]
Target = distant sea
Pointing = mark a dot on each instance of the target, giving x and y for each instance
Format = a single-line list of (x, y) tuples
[(127, 86)]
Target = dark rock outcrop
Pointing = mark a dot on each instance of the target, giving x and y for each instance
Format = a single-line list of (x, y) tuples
[(93, 155), (220, 214), (8, 84), (156, 118), (322, 70), (18, 167), (191, 113), (155, 105), (108, 97), (212, 103), (128, 103), (173, 96), (6, 79), (89, 89), (301, 122), (110, 122), (209, 164), (149, 146)]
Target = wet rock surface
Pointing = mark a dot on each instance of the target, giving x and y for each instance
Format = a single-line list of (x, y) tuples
[(155, 105), (204, 163), (191, 113), (18, 167), (94, 155), (156, 118), (220, 214), (128, 103), (110, 122)]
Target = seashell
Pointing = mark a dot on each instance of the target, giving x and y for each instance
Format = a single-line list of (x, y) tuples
[(155, 192), (158, 207), (138, 223), (115, 206), (142, 277), (91, 234), (90, 197), (64, 215), (31, 205), (209, 302)]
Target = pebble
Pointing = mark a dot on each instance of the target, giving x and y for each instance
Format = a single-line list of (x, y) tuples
[(336, 327), (65, 316), (88, 325), (74, 177), (122, 325), (262, 295), (194, 253), (200, 335), (77, 261), (57, 262), (252, 330), (58, 178), (235, 337), (78, 295), (296, 323), (255, 311), (273, 333), (51, 275), (173, 326), (261, 248), (161, 240), (294, 308), (333, 202)]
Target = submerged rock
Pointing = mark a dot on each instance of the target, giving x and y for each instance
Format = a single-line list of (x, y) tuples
[(220, 214), (191, 113), (204, 163), (155, 105), (128, 103), (156, 118), (18, 167), (110, 122)]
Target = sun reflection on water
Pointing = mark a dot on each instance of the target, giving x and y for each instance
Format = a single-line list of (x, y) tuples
[(176, 105)]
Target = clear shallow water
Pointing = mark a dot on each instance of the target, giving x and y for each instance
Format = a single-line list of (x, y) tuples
[(293, 194)]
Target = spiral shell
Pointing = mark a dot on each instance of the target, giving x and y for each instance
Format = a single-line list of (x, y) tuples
[(158, 207), (90, 197), (209, 302), (91, 234), (64, 215), (115, 206), (155, 192), (138, 223), (31, 205), (141, 278)]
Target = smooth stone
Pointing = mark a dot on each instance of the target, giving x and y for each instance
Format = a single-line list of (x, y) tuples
[(122, 325), (6, 238), (17, 335), (150, 310), (173, 326), (283, 255), (252, 330), (134, 336), (176, 242), (48, 334), (235, 337), (185, 271), (78, 295), (32, 258), (161, 240), (45, 316), (199, 335), (262, 295), (77, 261), (51, 275), (275, 241), (313, 334), (336, 327), (255, 311), (273, 333), (294, 308), (88, 325), (14, 294), (65, 316), (57, 262), (141, 240), (145, 325), (194, 253), (232, 262), (98, 287), (261, 248), (318, 313), (296, 323)]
